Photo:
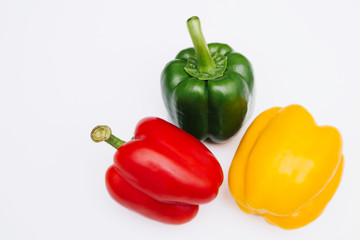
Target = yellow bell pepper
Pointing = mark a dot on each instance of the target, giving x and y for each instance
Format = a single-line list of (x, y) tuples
[(286, 168)]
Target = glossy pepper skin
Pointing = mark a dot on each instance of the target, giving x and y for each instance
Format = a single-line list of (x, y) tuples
[(286, 167), (164, 173), (207, 89)]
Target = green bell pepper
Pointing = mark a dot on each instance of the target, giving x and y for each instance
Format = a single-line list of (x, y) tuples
[(207, 89)]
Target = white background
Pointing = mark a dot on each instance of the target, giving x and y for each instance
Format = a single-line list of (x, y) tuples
[(66, 66)]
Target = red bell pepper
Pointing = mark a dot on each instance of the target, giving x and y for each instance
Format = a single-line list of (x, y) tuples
[(164, 173)]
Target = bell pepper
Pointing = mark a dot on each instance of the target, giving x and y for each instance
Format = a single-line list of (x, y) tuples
[(207, 89), (163, 173), (286, 167)]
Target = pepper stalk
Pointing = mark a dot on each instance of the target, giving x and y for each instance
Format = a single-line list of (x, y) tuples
[(205, 63), (103, 133)]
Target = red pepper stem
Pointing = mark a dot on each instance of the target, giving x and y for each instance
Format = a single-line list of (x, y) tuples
[(103, 133)]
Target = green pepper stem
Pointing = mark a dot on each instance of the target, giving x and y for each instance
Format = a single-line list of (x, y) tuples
[(205, 64), (103, 133)]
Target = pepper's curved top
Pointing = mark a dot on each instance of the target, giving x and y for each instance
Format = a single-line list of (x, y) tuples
[(207, 88), (193, 18)]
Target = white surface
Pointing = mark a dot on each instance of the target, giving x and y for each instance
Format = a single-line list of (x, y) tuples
[(66, 66)]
